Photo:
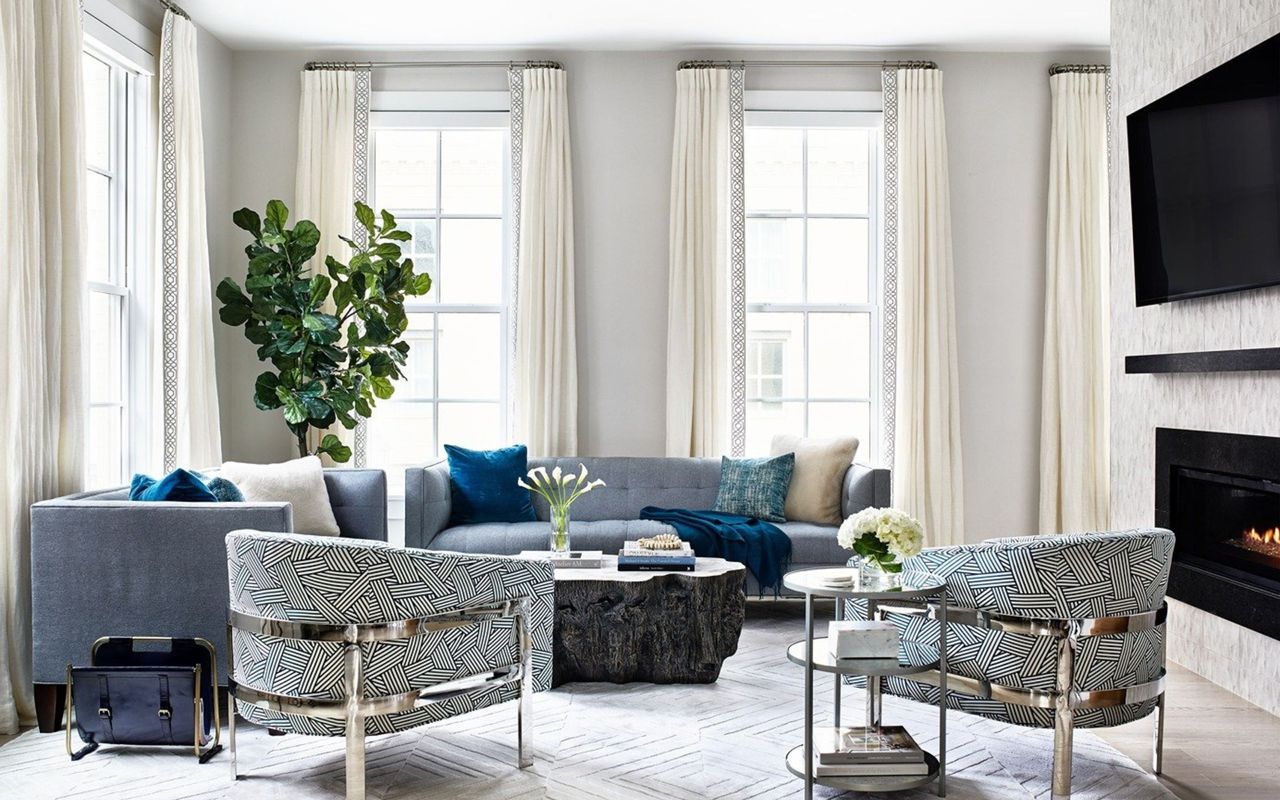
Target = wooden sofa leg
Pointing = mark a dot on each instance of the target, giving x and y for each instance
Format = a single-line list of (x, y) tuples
[(51, 705)]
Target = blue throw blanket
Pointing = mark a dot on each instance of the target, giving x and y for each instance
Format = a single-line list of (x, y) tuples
[(760, 545)]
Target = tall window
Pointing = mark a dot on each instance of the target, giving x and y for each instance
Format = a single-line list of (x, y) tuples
[(115, 132), (813, 258), (448, 185)]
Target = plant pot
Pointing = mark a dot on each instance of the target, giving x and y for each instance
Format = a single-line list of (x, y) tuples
[(872, 575), (559, 530)]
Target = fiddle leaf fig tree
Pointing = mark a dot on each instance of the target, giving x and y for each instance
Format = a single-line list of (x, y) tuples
[(332, 337)]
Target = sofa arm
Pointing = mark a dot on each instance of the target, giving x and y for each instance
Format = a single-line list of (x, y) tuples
[(427, 503), (864, 487), (120, 568), (359, 501)]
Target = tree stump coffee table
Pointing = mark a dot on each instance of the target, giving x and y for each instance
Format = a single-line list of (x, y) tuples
[(658, 627)]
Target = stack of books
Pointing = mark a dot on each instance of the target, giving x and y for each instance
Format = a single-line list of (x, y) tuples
[(574, 559), (634, 558), (858, 752)]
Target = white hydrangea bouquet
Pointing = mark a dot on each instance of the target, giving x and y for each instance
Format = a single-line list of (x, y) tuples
[(883, 537), (559, 489)]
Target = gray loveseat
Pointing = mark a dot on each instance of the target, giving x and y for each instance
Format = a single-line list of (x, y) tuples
[(104, 566), (606, 517)]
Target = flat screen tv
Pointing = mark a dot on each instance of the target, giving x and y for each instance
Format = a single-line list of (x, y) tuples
[(1204, 172)]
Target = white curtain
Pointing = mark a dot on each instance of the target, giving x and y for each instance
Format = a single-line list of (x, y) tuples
[(546, 401), (188, 391), (927, 477), (324, 190), (698, 329), (1074, 482), (42, 397)]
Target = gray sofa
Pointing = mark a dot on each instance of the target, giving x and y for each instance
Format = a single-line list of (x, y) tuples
[(606, 517), (104, 566)]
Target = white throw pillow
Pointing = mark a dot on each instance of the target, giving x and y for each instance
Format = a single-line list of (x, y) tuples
[(818, 478), (299, 482)]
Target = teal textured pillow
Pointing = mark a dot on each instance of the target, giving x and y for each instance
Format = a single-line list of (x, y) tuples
[(224, 490), (177, 486), (755, 487)]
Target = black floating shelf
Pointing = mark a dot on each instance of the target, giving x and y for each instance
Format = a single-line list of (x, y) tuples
[(1254, 360)]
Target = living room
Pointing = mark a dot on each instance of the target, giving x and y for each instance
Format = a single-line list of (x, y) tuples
[(679, 400)]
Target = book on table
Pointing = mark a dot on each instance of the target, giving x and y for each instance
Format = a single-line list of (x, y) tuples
[(632, 548), (640, 563), (852, 752)]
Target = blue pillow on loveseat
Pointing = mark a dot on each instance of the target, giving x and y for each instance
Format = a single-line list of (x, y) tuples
[(179, 485), (483, 485)]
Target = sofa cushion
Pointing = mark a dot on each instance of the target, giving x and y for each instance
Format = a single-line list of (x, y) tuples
[(814, 544), (755, 487), (509, 539), (816, 483), (299, 482), (484, 487)]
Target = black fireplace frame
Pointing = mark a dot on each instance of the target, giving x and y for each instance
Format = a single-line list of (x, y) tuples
[(1248, 600)]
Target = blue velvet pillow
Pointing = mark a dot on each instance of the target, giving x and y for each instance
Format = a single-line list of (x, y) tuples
[(179, 485), (755, 487), (483, 485)]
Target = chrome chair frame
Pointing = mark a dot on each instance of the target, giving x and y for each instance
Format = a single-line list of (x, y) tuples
[(1064, 699), (353, 707)]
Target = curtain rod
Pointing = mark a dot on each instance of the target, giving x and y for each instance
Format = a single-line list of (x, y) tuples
[(175, 9), (1058, 69), (697, 64), (315, 65)]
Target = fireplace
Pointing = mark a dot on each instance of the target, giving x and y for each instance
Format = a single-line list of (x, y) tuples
[(1220, 494)]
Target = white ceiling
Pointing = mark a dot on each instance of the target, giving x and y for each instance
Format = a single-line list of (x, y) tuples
[(1015, 25)]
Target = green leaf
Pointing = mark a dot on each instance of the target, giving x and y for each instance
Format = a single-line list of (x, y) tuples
[(248, 219), (421, 285), (229, 292), (342, 295), (264, 391), (387, 250), (382, 387), (320, 285), (235, 314), (258, 283), (335, 267), (277, 216), (363, 408), (364, 215), (263, 262), (273, 239), (294, 411), (335, 449), (398, 235), (320, 322), (388, 221), (306, 234)]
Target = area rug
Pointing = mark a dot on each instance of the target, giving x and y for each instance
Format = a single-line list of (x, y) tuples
[(726, 740)]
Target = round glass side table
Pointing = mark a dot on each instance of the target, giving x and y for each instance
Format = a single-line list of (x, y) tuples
[(814, 654)]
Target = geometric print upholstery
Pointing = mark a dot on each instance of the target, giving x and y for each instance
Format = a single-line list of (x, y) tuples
[(1070, 576), (338, 581)]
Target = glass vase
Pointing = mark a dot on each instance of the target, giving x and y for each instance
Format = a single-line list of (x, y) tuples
[(560, 530), (873, 577)]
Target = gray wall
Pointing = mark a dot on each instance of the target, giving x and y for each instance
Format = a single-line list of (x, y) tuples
[(621, 119), (1157, 47)]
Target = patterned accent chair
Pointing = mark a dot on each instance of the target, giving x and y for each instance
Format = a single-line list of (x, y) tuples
[(329, 637), (1053, 632)]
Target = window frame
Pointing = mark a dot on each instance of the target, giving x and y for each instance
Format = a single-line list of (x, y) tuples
[(817, 110), (130, 170), (443, 111)]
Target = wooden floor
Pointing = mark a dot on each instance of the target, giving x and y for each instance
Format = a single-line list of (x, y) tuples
[(1217, 746)]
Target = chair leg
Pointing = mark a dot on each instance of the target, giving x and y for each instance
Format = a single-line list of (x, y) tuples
[(231, 734), (1064, 718), (524, 725), (1157, 744), (355, 723)]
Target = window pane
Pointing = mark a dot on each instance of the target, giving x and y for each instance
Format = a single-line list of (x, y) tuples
[(424, 250), (471, 261), (842, 419), (837, 259), (400, 435), (97, 113), (106, 331), (779, 338), (838, 171), (405, 169), (98, 209), (470, 356), (419, 369), (839, 355), (774, 170), (775, 260), (471, 162), (766, 420), (106, 448), (473, 425)]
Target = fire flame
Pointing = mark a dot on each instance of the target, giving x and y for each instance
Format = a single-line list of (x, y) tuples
[(1269, 536)]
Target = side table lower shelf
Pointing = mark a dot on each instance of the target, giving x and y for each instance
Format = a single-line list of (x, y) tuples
[(865, 783)]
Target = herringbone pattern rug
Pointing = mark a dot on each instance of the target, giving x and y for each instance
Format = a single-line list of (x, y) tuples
[(641, 741)]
